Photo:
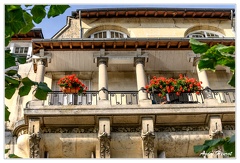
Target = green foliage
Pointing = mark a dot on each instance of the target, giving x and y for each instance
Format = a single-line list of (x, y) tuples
[(19, 20), (198, 47), (13, 156), (211, 57), (216, 55), (9, 59), (7, 114), (210, 145)]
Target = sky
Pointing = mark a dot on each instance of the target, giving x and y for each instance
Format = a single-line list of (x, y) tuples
[(51, 26)]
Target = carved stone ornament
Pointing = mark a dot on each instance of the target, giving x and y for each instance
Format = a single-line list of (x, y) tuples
[(34, 141), (69, 130), (104, 144), (216, 134), (148, 142)]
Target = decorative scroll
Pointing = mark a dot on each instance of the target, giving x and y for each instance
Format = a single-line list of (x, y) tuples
[(34, 141), (148, 142), (125, 129), (104, 144), (69, 130)]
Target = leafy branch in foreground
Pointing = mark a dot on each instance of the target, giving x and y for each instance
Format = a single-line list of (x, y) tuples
[(211, 57), (209, 146), (216, 55), (19, 20)]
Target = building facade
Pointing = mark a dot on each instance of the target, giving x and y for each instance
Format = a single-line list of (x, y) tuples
[(116, 52)]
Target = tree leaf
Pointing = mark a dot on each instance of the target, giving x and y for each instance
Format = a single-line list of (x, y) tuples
[(11, 72), (12, 81), (56, 10), (44, 87), (226, 50), (28, 23), (40, 94), (200, 148), (9, 92), (28, 82), (9, 59), (21, 60), (13, 156), (38, 13), (198, 47), (24, 90), (232, 80), (206, 64), (229, 146), (7, 114), (212, 142), (6, 150)]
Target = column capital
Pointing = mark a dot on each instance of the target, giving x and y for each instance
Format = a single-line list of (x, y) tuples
[(138, 60), (102, 60)]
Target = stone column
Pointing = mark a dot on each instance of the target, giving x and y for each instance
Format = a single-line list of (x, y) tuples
[(141, 78), (207, 92), (34, 138), (103, 146), (103, 78), (148, 137), (202, 76), (40, 70)]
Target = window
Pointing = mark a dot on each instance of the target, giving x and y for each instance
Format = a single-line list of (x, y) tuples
[(204, 34), (109, 34), (21, 50)]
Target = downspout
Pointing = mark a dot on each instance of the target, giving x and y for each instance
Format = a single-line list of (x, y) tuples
[(80, 21), (232, 25)]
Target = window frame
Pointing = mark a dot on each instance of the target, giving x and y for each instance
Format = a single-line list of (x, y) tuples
[(205, 34), (109, 34)]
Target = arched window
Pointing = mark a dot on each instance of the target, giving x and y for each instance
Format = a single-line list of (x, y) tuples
[(204, 34), (108, 34)]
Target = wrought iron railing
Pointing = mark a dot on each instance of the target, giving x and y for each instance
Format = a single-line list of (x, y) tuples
[(92, 97), (222, 96), (123, 97), (60, 98), (131, 97)]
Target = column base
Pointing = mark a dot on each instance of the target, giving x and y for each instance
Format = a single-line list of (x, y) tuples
[(103, 103), (145, 102), (211, 102)]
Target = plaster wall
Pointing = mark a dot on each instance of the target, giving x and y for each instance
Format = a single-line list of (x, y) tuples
[(146, 27)]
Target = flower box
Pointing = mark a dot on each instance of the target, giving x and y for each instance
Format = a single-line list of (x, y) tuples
[(71, 84), (183, 84)]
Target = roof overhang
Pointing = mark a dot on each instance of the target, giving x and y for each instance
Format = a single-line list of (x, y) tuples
[(35, 33), (154, 12), (126, 44)]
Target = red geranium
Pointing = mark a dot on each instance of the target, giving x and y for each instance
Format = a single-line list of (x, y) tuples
[(169, 85), (71, 81)]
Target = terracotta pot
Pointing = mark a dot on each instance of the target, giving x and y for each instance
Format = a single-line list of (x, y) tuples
[(69, 90)]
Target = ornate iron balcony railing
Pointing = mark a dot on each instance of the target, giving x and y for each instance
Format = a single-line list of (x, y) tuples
[(92, 97), (131, 97), (222, 96)]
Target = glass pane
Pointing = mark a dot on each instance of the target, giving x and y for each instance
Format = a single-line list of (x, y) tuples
[(100, 35), (112, 34), (95, 35), (104, 35), (21, 50), (17, 50), (117, 35), (25, 49)]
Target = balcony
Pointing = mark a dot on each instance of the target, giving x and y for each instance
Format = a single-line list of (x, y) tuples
[(131, 98)]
